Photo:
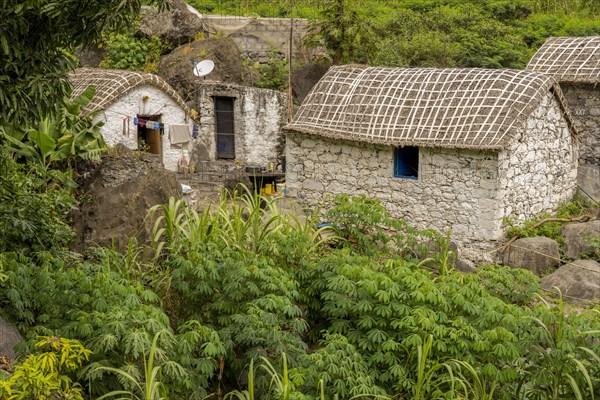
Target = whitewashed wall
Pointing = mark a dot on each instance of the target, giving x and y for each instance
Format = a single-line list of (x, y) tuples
[(259, 115), (539, 169), (130, 105), (467, 191), (456, 189)]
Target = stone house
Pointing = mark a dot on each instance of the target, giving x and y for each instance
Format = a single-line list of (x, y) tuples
[(459, 149), (127, 101), (575, 63), (243, 122)]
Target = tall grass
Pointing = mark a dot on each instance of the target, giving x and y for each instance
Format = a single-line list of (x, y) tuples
[(241, 220)]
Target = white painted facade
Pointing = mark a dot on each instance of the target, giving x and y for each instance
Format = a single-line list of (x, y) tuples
[(133, 104), (259, 115)]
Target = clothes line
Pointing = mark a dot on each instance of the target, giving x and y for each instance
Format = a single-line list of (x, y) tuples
[(159, 126)]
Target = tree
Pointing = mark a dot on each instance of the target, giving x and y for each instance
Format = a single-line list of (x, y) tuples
[(342, 30), (36, 41)]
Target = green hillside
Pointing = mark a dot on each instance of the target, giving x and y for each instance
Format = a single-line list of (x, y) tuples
[(444, 33)]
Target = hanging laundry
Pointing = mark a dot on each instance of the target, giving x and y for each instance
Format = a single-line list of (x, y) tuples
[(179, 134), (149, 124), (156, 126), (195, 131), (135, 121)]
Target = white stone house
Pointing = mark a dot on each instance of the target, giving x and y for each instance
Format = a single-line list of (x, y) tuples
[(243, 123), (459, 149), (575, 63), (122, 96)]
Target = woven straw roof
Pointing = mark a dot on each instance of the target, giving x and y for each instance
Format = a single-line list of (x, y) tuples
[(569, 59), (459, 108), (111, 84)]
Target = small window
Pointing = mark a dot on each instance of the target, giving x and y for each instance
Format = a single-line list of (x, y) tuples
[(406, 162)]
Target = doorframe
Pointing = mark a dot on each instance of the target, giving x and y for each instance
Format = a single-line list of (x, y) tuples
[(151, 117)]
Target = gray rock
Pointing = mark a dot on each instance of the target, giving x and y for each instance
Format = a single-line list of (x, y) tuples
[(536, 254), (578, 238), (177, 66), (465, 266), (305, 77), (579, 281), (177, 26), (199, 153), (90, 56), (9, 338), (118, 193)]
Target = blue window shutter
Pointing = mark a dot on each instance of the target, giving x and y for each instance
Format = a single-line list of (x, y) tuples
[(406, 162)]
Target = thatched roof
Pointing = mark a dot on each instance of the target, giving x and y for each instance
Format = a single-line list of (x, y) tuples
[(460, 108), (111, 84), (569, 59)]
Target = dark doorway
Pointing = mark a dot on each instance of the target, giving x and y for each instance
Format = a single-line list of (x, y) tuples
[(149, 138), (225, 135)]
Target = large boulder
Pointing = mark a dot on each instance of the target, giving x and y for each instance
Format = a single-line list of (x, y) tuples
[(9, 338), (579, 281), (305, 77), (578, 238), (116, 195), (176, 25), (177, 67), (536, 254), (90, 56)]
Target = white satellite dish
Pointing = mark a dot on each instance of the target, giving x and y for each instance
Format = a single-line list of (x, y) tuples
[(203, 68)]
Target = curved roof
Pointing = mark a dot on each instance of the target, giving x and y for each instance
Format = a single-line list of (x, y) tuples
[(569, 59), (111, 84), (460, 108)]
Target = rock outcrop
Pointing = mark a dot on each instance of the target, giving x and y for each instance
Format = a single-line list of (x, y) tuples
[(579, 281), (305, 77), (177, 25), (579, 237), (177, 67), (9, 338), (536, 254), (116, 196)]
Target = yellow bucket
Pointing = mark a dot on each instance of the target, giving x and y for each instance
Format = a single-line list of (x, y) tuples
[(268, 188)]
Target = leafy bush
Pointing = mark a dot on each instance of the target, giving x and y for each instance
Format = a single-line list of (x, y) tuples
[(47, 373), (511, 285), (127, 51), (34, 204), (274, 74)]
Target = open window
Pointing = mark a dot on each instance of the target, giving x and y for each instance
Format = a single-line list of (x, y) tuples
[(406, 162)]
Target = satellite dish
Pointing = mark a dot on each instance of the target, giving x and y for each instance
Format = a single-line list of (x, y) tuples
[(203, 68)]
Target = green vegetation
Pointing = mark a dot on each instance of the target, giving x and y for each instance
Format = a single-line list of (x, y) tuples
[(428, 33), (579, 209), (36, 43), (127, 51), (242, 300), (238, 285)]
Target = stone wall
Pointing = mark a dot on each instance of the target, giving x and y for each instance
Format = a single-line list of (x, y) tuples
[(130, 105), (539, 169), (584, 101), (456, 189), (259, 115), (256, 37), (467, 191)]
